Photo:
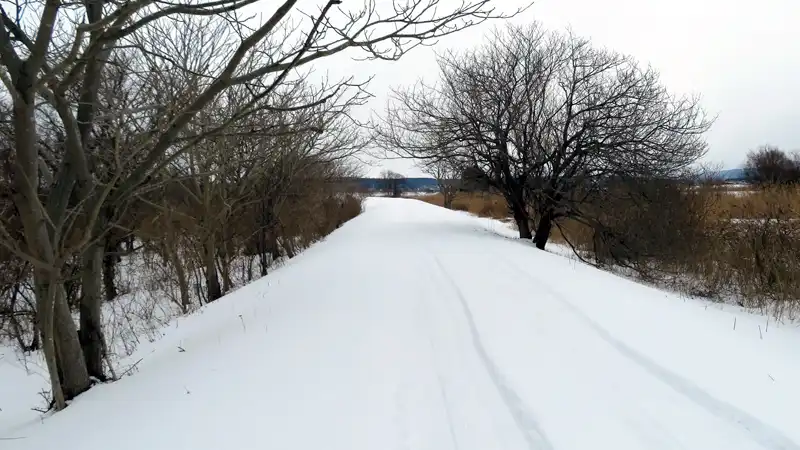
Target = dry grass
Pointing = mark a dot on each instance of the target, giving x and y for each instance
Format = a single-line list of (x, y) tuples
[(757, 203), (745, 248), (480, 204), (746, 245), (573, 232)]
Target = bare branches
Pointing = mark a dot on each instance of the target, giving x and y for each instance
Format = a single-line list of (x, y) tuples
[(547, 120), (115, 101)]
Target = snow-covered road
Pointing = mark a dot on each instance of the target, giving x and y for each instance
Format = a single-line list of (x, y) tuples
[(413, 327)]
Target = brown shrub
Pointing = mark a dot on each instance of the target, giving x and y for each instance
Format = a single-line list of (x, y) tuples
[(755, 253), (649, 226), (460, 206), (757, 203), (481, 204), (573, 233), (707, 243)]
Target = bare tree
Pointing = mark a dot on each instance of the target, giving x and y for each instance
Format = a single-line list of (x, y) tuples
[(392, 182), (484, 112), (547, 120), (447, 173), (769, 165)]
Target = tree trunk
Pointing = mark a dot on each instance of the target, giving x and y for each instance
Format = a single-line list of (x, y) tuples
[(110, 259), (543, 230), (45, 308), (71, 359), (180, 272), (263, 258), (523, 223), (274, 248), (212, 277), (62, 350), (183, 285), (449, 196), (91, 331), (516, 204), (225, 268), (265, 219)]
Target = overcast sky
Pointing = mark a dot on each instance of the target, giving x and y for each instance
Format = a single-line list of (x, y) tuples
[(743, 58)]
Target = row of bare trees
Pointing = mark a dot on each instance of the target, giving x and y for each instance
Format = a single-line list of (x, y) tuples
[(181, 117), (549, 121)]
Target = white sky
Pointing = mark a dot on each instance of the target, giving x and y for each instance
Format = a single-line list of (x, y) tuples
[(742, 57)]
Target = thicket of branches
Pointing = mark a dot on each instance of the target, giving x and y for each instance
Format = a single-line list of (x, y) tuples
[(771, 166), (186, 129), (550, 122)]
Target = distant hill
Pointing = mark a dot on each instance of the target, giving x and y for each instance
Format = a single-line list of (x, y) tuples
[(733, 175), (406, 184), (429, 184)]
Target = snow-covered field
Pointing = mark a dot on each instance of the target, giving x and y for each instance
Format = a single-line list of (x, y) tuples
[(413, 327)]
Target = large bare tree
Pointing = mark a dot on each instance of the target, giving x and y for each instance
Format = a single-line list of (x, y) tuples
[(546, 119)]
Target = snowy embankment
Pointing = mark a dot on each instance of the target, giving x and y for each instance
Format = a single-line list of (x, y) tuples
[(413, 327)]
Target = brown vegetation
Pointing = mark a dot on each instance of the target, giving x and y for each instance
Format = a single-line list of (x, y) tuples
[(753, 203), (481, 204), (708, 241)]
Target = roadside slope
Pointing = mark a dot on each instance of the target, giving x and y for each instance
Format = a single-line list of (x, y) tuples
[(413, 327)]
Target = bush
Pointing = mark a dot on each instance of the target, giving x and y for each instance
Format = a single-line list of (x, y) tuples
[(703, 241), (772, 166), (650, 226), (756, 252), (461, 206)]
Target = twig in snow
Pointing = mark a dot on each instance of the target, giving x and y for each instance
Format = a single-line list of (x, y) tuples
[(110, 366), (181, 349), (734, 323), (243, 327), (132, 367), (770, 377), (767, 324), (759, 332)]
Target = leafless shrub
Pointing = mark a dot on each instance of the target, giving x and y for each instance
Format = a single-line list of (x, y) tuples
[(770, 165), (652, 226), (683, 237), (757, 259)]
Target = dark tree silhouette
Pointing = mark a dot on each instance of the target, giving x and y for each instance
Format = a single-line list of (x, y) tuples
[(546, 118)]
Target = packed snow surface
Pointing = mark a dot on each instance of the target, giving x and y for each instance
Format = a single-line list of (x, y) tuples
[(413, 327)]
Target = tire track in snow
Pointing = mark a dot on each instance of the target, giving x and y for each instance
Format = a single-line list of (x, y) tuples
[(443, 392), (524, 419), (424, 313), (760, 432)]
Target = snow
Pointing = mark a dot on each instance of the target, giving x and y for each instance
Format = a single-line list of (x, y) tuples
[(21, 381), (413, 327)]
